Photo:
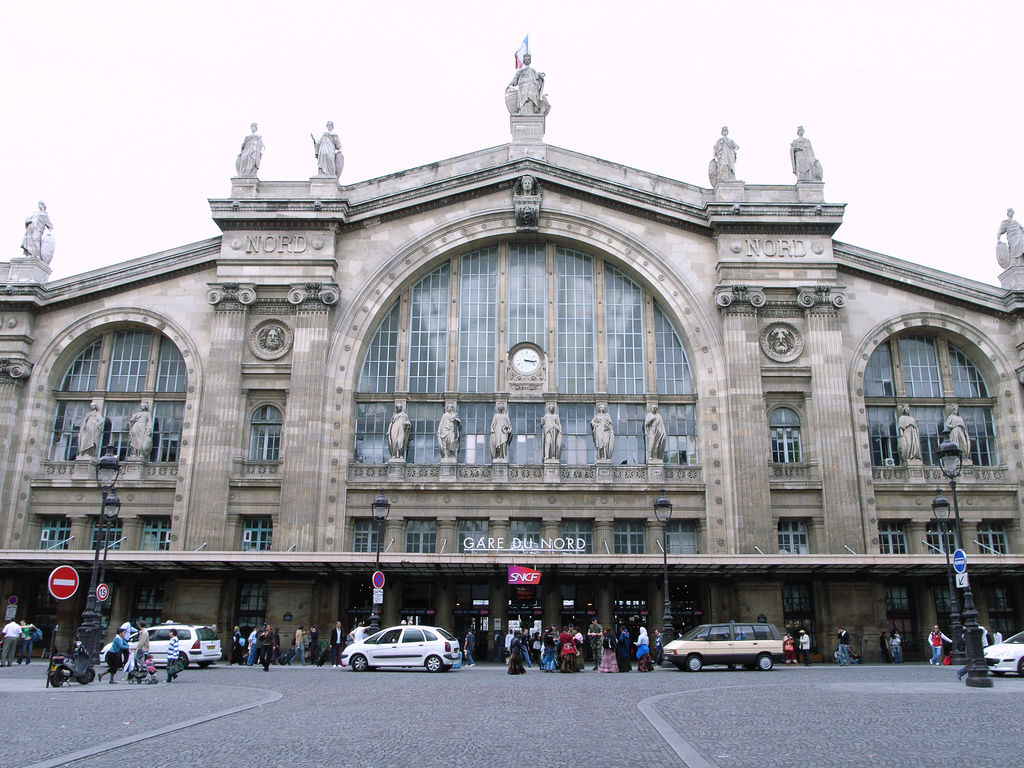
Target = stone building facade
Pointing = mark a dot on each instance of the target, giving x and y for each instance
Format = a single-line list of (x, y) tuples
[(523, 280)]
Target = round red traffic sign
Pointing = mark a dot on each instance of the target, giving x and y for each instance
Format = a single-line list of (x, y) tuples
[(102, 592), (63, 582), (377, 580)]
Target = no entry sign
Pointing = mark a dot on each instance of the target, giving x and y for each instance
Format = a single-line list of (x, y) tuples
[(63, 582)]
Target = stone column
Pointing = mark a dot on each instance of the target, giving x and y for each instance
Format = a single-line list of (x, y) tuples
[(220, 430), (444, 603), (970, 535), (653, 542), (498, 529), (916, 533), (131, 529), (81, 529), (604, 536), (392, 600), (844, 520), (302, 450), (655, 607), (748, 512), (604, 603), (550, 529), (394, 530), (447, 535)]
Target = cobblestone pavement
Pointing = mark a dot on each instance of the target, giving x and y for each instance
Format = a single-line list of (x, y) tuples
[(912, 715)]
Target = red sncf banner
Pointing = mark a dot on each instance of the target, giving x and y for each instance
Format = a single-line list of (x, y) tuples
[(517, 574)]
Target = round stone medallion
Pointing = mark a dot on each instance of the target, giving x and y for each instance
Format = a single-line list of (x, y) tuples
[(270, 340), (781, 342)]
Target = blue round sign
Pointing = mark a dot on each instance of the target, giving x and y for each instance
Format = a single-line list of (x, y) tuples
[(960, 561), (377, 580)]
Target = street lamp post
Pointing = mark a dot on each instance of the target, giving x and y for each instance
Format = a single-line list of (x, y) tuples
[(951, 463), (663, 511), (940, 508), (380, 508), (90, 631)]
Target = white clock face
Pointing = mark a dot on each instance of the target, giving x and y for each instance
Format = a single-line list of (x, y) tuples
[(526, 361)]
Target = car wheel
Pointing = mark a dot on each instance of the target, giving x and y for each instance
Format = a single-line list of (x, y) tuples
[(694, 663), (184, 660), (764, 662), (1020, 666), (434, 664), (359, 663), (204, 664)]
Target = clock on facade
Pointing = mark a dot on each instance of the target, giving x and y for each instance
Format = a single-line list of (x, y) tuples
[(526, 360)]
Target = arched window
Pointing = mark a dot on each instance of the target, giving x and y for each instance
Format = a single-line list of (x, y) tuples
[(134, 374), (265, 434), (929, 374), (601, 336), (785, 429)]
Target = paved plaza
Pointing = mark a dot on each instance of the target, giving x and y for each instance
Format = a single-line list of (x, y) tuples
[(913, 715)]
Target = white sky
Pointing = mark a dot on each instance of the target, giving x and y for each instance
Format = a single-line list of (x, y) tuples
[(125, 119)]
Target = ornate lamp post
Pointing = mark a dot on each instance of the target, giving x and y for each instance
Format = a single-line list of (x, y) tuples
[(940, 508), (380, 508), (951, 463), (663, 511), (90, 631)]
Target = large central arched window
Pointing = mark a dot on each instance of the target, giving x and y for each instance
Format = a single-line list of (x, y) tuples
[(120, 370), (930, 374), (603, 335)]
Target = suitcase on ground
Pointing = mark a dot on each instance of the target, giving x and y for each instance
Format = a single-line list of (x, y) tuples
[(323, 657), (285, 657)]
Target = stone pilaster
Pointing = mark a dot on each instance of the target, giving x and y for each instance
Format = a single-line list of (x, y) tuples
[(394, 536), (131, 529), (12, 375), (916, 534), (81, 531), (447, 534), (844, 522), (304, 457), (749, 512), (444, 603), (604, 537), (219, 433)]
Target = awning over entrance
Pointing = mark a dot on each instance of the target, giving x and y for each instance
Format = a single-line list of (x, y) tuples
[(343, 564)]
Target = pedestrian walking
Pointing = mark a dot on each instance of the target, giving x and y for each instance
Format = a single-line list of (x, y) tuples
[(883, 646), (112, 658), (805, 648), (659, 648), (142, 645), (265, 642), (935, 640), (254, 652), (896, 646), (643, 652), (622, 649), (237, 647), (298, 642), (469, 647), (568, 650), (843, 654), (548, 662), (608, 643), (172, 656), (313, 642), (516, 652), (12, 634), (595, 635), (789, 649)]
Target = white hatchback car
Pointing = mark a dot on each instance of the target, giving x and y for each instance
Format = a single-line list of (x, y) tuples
[(197, 644), (1007, 656), (410, 645)]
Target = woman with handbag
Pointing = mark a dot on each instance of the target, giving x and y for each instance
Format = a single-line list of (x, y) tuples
[(113, 657)]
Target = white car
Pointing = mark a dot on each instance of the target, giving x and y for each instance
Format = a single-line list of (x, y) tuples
[(410, 645), (1007, 656), (197, 644)]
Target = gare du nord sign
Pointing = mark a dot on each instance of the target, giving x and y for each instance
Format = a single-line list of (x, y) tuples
[(518, 546)]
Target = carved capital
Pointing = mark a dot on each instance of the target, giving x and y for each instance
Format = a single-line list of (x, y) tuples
[(821, 297), (314, 295), (740, 298), (231, 296), (15, 368)]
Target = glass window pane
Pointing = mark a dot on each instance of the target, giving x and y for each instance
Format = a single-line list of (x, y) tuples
[(967, 380), (81, 374), (527, 446), (265, 434), (577, 444), (474, 529), (682, 537), (474, 446), (378, 374), (784, 425), (171, 374), (421, 536), (167, 423), (624, 333), (878, 374), (882, 435), (64, 445), (681, 428), (115, 434), (920, 366), (892, 539), (129, 361), (575, 328), (673, 366), (628, 423), (364, 535), (257, 534), (428, 332), (478, 321), (527, 293), (423, 447), (156, 533), (982, 432), (372, 421), (629, 537), (55, 533), (580, 529), (793, 537)]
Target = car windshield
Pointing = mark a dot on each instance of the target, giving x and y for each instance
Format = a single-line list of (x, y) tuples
[(696, 632), (1018, 638), (373, 638)]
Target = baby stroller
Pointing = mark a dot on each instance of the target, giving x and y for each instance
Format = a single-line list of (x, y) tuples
[(143, 671)]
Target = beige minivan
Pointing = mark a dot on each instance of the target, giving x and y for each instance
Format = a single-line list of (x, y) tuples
[(752, 646)]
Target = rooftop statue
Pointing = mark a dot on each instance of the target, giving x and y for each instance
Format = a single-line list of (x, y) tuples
[(329, 159), (801, 154), (525, 94), (248, 162), (1010, 252), (38, 242), (723, 164)]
